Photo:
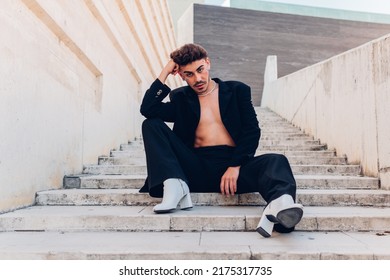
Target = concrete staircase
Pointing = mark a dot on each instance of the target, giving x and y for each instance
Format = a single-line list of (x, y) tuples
[(100, 214)]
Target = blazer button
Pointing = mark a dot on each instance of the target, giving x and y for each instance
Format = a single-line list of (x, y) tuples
[(159, 92)]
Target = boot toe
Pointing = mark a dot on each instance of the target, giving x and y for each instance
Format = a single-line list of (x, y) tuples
[(162, 210)]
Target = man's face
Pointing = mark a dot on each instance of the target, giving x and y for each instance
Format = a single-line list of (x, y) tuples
[(197, 75)]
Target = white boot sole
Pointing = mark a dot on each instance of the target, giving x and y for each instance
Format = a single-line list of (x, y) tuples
[(185, 203), (288, 217)]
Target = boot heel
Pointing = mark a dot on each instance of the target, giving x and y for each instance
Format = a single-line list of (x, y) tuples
[(185, 202), (265, 226)]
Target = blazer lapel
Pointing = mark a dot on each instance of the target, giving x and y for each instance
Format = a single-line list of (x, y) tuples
[(193, 102), (225, 94)]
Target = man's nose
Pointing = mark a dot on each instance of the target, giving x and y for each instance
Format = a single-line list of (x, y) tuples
[(198, 76)]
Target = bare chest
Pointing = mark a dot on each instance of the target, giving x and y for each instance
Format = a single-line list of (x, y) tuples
[(209, 110), (211, 130)]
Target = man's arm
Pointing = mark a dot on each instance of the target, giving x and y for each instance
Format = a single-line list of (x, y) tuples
[(171, 68), (246, 145), (152, 105)]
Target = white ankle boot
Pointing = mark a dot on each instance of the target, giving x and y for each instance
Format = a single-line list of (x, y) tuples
[(176, 193), (282, 210)]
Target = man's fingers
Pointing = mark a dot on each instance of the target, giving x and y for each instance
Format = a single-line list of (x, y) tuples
[(229, 181), (224, 186), (228, 186), (233, 185), (175, 69)]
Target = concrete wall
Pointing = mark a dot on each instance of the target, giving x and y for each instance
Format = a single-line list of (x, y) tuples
[(343, 101), (178, 8), (72, 75), (287, 8), (185, 27), (239, 41)]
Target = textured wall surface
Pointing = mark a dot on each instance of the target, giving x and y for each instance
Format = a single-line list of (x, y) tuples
[(239, 41), (72, 75), (343, 102)]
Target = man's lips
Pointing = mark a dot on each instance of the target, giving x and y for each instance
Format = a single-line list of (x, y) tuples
[(199, 86)]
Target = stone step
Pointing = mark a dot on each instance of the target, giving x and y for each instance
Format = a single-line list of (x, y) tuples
[(85, 181), (262, 146), (268, 142), (131, 197), (199, 218), (280, 129), (274, 122), (102, 245), (297, 144), (134, 142), (306, 153), (136, 181), (282, 135), (303, 160), (292, 147), (285, 137), (114, 169), (289, 143), (269, 116), (140, 153), (346, 170), (269, 122), (297, 169), (336, 182), (278, 126)]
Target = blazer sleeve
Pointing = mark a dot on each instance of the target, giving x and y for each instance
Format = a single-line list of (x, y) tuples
[(249, 136), (152, 105)]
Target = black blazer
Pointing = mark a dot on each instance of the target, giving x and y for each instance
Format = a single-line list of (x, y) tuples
[(235, 104)]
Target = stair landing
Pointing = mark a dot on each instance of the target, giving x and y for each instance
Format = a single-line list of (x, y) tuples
[(96, 245)]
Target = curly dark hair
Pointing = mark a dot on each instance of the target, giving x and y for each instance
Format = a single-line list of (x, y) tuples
[(188, 54)]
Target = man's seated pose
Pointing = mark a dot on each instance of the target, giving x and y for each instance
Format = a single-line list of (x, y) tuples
[(212, 145)]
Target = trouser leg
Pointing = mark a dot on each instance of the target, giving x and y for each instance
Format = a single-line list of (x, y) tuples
[(268, 174), (168, 157), (272, 177), (160, 155)]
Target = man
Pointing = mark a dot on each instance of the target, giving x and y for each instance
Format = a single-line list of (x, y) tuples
[(212, 145)]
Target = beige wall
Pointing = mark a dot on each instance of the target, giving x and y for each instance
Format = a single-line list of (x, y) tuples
[(344, 102), (185, 27), (72, 75), (178, 8)]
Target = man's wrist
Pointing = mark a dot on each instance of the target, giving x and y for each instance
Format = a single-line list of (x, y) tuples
[(163, 77), (235, 167)]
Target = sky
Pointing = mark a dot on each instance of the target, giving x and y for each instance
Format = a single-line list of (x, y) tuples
[(370, 6)]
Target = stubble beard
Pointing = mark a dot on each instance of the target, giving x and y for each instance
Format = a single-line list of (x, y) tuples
[(194, 87)]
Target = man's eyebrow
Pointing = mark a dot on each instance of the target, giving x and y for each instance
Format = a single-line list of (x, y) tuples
[(189, 72)]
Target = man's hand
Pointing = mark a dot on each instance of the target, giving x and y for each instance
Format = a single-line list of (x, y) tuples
[(171, 68), (229, 180)]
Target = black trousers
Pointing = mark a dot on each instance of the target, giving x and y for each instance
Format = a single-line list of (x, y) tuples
[(202, 168)]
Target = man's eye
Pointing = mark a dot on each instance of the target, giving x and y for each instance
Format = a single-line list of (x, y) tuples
[(200, 70)]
